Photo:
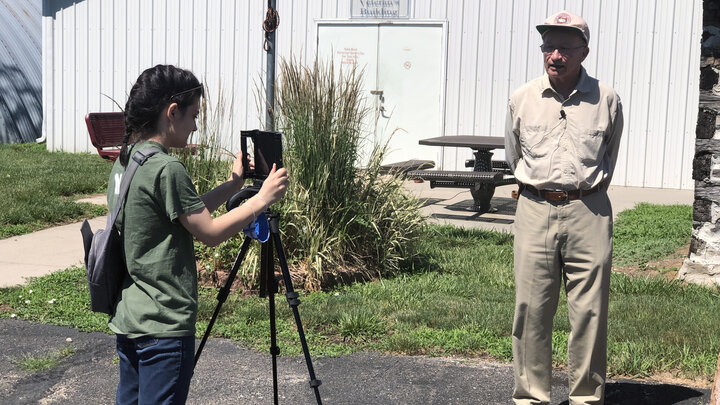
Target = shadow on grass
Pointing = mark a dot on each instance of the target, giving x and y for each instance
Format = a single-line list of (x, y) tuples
[(444, 238), (419, 264), (459, 234)]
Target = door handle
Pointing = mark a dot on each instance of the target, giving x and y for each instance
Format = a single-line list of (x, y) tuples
[(382, 100)]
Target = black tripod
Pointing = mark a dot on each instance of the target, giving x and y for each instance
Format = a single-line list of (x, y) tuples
[(268, 287)]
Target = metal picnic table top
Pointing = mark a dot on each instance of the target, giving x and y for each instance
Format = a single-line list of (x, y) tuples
[(469, 141)]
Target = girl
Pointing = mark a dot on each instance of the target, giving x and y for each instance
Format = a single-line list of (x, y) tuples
[(155, 315)]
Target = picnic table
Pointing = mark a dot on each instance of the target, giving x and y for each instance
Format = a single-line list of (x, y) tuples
[(485, 175)]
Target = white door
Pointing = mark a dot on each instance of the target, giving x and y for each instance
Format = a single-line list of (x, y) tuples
[(403, 80)]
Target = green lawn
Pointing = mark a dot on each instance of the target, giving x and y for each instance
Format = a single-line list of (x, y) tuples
[(456, 299), (39, 188), (650, 232)]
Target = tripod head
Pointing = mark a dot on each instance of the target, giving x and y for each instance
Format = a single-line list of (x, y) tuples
[(242, 195), (259, 228)]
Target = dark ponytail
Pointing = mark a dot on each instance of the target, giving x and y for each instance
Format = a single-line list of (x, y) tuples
[(153, 91)]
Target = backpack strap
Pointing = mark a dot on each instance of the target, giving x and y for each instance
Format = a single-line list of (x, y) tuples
[(138, 159)]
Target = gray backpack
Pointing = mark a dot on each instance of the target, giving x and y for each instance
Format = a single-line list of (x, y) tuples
[(104, 261)]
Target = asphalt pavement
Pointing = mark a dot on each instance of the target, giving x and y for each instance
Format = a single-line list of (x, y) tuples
[(227, 373)]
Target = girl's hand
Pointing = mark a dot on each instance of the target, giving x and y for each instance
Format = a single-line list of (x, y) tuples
[(237, 177), (275, 185)]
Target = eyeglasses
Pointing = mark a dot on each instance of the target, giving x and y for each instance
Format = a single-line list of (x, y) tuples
[(186, 91), (548, 49)]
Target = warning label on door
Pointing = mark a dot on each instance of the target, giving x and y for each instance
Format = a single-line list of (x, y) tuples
[(349, 56)]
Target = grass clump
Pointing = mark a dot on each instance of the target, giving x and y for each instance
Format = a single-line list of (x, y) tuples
[(341, 213), (32, 363), (360, 324), (39, 187)]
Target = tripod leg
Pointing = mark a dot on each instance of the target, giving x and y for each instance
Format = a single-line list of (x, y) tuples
[(223, 294), (293, 301), (269, 287)]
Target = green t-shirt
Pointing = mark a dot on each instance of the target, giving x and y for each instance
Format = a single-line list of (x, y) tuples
[(160, 296)]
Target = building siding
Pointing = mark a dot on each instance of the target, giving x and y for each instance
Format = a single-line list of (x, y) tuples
[(20, 71), (647, 50)]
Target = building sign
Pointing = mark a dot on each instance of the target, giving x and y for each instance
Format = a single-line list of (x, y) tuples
[(380, 9)]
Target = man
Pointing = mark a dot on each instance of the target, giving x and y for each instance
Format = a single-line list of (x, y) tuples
[(561, 140)]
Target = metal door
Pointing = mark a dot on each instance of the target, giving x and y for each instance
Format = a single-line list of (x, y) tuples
[(403, 66)]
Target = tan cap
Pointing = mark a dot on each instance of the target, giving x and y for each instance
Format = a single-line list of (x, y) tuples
[(566, 20)]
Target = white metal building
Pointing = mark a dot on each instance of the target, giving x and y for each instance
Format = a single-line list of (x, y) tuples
[(435, 67)]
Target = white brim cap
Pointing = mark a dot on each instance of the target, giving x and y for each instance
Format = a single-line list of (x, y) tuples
[(567, 21)]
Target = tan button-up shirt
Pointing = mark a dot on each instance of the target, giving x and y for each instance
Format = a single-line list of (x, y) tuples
[(563, 144)]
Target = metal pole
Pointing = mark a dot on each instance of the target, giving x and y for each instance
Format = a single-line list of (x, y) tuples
[(270, 77)]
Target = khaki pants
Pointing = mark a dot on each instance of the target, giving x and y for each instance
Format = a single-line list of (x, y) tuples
[(569, 243)]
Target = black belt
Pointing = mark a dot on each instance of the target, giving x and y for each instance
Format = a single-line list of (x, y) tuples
[(559, 196)]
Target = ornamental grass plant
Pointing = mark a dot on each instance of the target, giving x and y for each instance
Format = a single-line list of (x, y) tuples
[(344, 218)]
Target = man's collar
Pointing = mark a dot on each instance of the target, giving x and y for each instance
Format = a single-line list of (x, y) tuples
[(583, 84)]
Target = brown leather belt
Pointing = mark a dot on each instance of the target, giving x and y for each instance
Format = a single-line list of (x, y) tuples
[(559, 196)]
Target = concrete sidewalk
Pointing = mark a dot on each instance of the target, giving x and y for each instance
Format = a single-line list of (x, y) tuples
[(40, 253), (450, 205), (58, 248)]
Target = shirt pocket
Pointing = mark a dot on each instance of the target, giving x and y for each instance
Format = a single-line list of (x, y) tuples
[(535, 141), (590, 147)]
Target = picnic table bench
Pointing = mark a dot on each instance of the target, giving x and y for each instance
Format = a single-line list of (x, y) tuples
[(407, 166), (107, 131)]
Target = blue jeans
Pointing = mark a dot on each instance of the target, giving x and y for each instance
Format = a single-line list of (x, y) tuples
[(154, 370)]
